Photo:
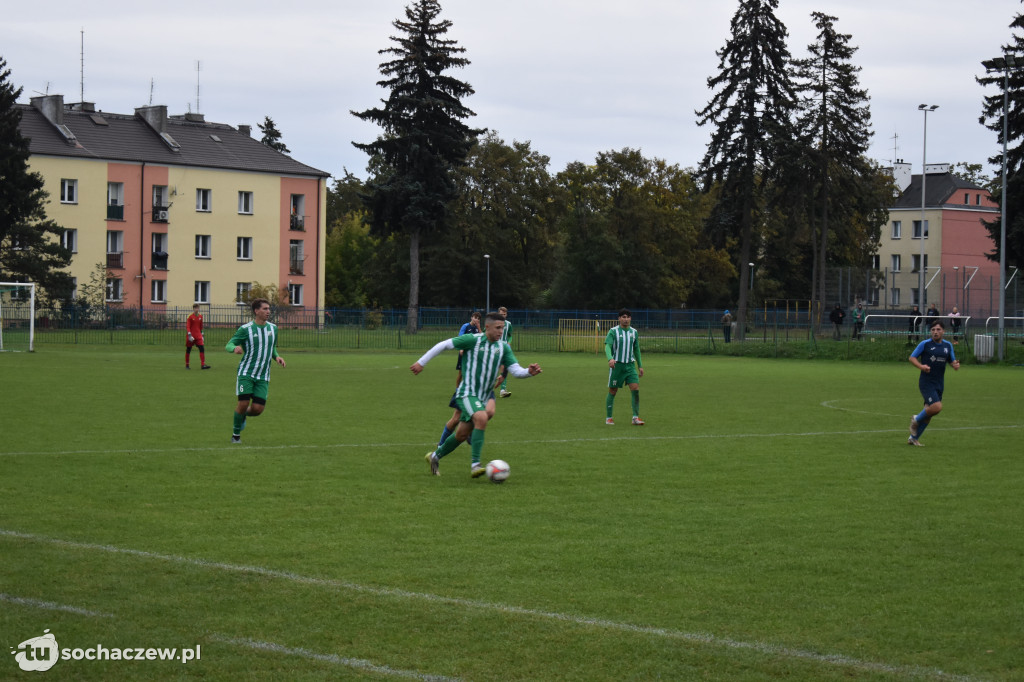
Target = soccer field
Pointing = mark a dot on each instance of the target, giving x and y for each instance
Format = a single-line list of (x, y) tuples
[(769, 522)]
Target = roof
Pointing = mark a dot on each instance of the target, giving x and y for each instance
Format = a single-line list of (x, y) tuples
[(128, 138), (939, 189)]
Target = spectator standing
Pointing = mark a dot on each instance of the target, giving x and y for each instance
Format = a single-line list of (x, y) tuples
[(836, 317), (727, 326)]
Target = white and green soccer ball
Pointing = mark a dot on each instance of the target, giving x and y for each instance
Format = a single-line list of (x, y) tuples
[(497, 471)]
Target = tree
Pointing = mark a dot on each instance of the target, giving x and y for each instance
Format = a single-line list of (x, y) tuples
[(344, 199), (30, 248), (504, 208), (750, 112), (272, 136), (833, 133), (424, 138), (992, 118)]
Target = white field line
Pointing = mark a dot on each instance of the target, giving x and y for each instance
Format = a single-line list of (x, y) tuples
[(357, 663), (422, 444), (692, 637), (51, 606)]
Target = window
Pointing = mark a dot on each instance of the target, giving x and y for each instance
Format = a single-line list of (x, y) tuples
[(917, 229), (114, 290), (295, 294), (69, 240), (874, 296), (897, 229), (160, 204), (245, 248), (967, 198), (894, 298), (204, 200), (876, 262), (115, 201), (977, 200), (242, 292), (298, 215), (917, 262), (295, 257), (159, 291), (202, 292), (895, 262), (115, 249), (245, 203), (69, 191), (915, 299), (202, 246), (159, 251)]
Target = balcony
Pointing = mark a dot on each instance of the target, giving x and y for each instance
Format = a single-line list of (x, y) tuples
[(115, 260), (160, 214), (298, 223), (115, 212), (159, 260), (295, 266)]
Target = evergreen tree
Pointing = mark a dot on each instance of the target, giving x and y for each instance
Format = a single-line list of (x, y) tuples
[(424, 138), (272, 136), (30, 249), (833, 132), (750, 111), (992, 118)]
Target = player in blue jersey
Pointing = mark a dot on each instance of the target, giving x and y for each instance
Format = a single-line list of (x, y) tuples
[(931, 357), (484, 355)]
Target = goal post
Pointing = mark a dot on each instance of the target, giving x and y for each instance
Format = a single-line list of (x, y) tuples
[(586, 336), (17, 316)]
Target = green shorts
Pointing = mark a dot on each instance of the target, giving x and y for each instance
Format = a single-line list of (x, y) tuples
[(256, 389), (469, 405), (622, 374)]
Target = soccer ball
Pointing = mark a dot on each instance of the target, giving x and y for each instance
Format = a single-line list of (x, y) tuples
[(497, 471)]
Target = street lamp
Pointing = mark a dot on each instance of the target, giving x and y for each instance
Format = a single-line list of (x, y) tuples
[(926, 108), (956, 287), (487, 258), (751, 276), (1004, 64)]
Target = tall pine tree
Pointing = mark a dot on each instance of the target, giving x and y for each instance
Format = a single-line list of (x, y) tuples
[(750, 111), (424, 138), (992, 118), (833, 132), (30, 249), (272, 136)]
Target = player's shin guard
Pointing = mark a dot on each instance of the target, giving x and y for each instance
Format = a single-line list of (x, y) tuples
[(444, 435), (239, 422), (478, 445), (609, 404), (635, 395)]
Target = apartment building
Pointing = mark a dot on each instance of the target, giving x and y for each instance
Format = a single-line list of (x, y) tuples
[(955, 241), (178, 210)]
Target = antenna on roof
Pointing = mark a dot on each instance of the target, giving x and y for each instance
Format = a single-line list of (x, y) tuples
[(198, 69), (81, 74), (44, 94), (895, 147), (151, 91)]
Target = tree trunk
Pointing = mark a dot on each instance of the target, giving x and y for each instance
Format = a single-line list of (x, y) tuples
[(412, 324), (746, 232)]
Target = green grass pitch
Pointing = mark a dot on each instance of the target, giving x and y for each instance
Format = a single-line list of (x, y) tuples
[(768, 523)]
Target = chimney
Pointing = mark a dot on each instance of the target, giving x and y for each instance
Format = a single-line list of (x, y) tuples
[(155, 116), (195, 117), (245, 129), (901, 174), (87, 107), (51, 106)]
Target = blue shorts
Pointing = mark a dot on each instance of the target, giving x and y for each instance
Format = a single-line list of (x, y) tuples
[(931, 393)]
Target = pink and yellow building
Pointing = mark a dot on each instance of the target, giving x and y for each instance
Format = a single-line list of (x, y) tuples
[(178, 210)]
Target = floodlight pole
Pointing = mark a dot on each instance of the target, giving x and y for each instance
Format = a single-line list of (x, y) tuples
[(926, 108), (487, 257)]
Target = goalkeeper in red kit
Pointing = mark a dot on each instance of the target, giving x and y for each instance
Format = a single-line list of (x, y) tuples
[(194, 337)]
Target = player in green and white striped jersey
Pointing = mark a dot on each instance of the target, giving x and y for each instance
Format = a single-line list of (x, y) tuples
[(622, 348), (483, 355), (256, 342), (506, 336)]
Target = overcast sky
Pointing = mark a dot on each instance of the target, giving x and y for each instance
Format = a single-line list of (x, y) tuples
[(573, 77)]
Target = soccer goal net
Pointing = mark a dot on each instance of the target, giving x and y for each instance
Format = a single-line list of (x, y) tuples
[(17, 316), (585, 336)]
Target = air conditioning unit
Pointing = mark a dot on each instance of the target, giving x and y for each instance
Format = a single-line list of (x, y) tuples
[(160, 216)]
